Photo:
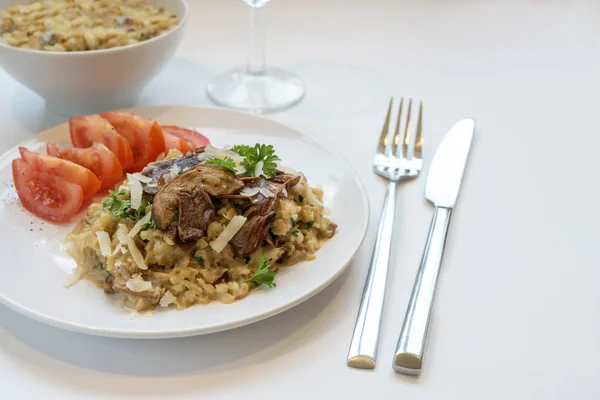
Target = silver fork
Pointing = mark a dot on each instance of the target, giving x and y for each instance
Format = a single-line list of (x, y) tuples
[(394, 162)]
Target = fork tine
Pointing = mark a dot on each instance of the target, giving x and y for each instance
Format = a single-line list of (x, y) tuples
[(419, 134), (407, 131), (383, 141), (395, 149)]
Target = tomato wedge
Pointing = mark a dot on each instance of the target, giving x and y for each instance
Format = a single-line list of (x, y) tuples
[(45, 195), (53, 149), (195, 138), (95, 129), (66, 170), (174, 142), (97, 158), (144, 136)]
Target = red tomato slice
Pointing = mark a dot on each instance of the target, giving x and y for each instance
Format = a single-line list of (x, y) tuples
[(174, 142), (195, 138), (97, 158), (144, 136), (95, 129), (45, 195), (64, 169), (53, 150)]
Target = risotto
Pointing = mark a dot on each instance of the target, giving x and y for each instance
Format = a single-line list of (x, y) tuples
[(200, 227), (70, 25)]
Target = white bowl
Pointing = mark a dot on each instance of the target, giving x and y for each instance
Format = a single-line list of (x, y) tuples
[(87, 82)]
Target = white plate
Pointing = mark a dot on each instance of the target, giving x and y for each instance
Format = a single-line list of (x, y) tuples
[(34, 266)]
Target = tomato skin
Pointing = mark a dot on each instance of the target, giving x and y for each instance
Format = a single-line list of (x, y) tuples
[(64, 169), (195, 138), (45, 195), (174, 142), (90, 129), (97, 158), (144, 136), (52, 149)]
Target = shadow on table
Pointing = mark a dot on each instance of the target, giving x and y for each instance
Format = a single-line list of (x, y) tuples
[(217, 352), (181, 82), (29, 110), (333, 91)]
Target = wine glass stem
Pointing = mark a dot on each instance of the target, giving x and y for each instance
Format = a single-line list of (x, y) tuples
[(256, 43)]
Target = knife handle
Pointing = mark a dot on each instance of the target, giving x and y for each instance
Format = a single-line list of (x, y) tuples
[(411, 344)]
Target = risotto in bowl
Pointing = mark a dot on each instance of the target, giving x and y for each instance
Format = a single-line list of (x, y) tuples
[(88, 56)]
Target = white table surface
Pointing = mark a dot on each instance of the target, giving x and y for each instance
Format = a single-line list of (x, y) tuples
[(518, 307)]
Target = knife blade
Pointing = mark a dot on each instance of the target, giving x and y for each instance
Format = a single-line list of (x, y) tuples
[(443, 184), (448, 164)]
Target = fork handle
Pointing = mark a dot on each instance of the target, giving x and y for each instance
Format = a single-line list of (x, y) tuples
[(363, 348), (411, 344)]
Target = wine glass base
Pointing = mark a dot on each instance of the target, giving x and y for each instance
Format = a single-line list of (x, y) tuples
[(272, 90)]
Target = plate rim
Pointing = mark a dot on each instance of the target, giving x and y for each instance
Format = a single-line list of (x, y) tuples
[(195, 331)]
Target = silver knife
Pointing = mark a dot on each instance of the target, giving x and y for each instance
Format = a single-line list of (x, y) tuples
[(443, 184)]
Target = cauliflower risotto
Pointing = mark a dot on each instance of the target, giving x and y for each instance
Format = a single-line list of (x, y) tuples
[(78, 25), (208, 225)]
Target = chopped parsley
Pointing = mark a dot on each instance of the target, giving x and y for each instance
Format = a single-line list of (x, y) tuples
[(295, 232), (293, 222), (120, 206), (301, 198), (227, 162), (143, 36), (254, 155), (139, 213), (149, 225), (117, 205), (199, 260), (309, 224), (263, 274)]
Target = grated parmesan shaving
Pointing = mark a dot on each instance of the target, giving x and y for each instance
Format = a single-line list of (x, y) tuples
[(138, 226), (75, 277), (228, 233), (136, 191), (311, 198), (118, 248), (127, 241), (266, 192), (137, 284), (142, 178), (223, 153), (258, 170), (168, 298), (104, 242), (250, 191)]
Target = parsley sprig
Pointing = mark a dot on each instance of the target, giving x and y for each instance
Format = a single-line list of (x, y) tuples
[(226, 162), (119, 206), (263, 274), (255, 154), (117, 203), (199, 259)]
